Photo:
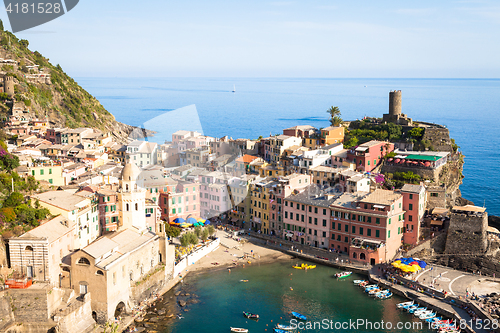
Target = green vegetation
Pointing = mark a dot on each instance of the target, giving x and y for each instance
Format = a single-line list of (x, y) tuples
[(335, 113), (363, 131), (454, 145), (189, 238), (17, 215), (398, 179), (63, 101), (170, 231)]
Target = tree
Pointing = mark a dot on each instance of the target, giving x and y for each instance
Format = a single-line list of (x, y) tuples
[(197, 231), (204, 234), (335, 119), (172, 231), (13, 200), (211, 230), (193, 239), (184, 239), (24, 43)]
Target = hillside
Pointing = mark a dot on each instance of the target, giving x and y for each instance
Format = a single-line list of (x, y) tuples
[(42, 90)]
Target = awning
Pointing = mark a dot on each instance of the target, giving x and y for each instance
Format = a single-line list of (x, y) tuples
[(378, 206), (361, 148), (234, 220), (436, 222), (289, 235)]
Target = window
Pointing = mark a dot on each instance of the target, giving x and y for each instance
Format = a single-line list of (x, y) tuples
[(286, 215), (411, 196), (339, 226), (310, 220), (310, 209), (315, 210), (361, 230), (369, 219), (127, 207), (353, 229), (346, 240), (410, 218), (32, 172), (324, 223), (324, 211), (368, 232), (291, 204), (50, 181), (303, 207), (136, 206), (346, 228), (315, 232), (377, 220), (41, 172), (410, 207), (377, 233), (315, 221), (173, 210), (389, 221), (83, 261), (50, 171), (388, 234)]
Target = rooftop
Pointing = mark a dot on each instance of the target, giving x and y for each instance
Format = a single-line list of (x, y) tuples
[(470, 208), (381, 197), (52, 230), (412, 188), (61, 199), (314, 196)]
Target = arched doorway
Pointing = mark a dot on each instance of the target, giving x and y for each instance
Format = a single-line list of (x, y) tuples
[(120, 309), (354, 255), (362, 256), (94, 316)]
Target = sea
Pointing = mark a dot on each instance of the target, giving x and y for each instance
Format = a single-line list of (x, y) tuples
[(470, 108), (216, 301)]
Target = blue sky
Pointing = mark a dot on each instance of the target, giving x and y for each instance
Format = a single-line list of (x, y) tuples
[(363, 38)]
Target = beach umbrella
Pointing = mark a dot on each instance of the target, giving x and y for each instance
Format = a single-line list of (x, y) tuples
[(390, 159), (207, 222), (427, 164), (179, 220), (201, 220), (191, 220), (397, 160)]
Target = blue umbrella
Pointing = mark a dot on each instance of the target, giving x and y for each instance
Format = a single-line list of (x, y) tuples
[(192, 221), (179, 220), (207, 222)]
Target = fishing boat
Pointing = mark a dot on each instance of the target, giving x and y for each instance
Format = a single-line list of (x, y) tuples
[(381, 292), (401, 305), (427, 316), (342, 275), (240, 330), (411, 307), (431, 320), (416, 310), (278, 330), (299, 316), (250, 315), (374, 291), (243, 280), (385, 295), (363, 284), (371, 286), (284, 327), (358, 282)]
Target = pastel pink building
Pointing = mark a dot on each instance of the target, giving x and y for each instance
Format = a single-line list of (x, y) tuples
[(414, 203), (368, 155), (368, 227), (214, 196), (307, 216)]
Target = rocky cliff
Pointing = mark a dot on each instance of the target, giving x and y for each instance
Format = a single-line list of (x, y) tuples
[(39, 89)]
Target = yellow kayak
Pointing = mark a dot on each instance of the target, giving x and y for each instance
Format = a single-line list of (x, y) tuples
[(304, 266)]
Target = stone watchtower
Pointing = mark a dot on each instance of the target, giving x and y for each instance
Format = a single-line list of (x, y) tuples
[(395, 115), (395, 103), (467, 230), (8, 85)]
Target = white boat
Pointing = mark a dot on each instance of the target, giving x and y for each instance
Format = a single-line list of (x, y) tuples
[(284, 327), (401, 305), (427, 316), (240, 330), (356, 282), (234, 88)]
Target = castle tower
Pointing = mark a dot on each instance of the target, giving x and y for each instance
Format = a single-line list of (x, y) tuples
[(132, 200), (395, 103), (8, 85), (467, 233)]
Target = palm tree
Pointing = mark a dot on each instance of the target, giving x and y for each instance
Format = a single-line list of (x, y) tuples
[(335, 119)]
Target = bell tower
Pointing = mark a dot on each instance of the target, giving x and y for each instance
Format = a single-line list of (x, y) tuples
[(132, 199)]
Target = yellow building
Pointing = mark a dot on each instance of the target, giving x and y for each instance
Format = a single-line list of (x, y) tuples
[(259, 204), (331, 135), (49, 172)]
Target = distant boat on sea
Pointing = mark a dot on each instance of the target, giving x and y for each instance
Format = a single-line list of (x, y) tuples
[(234, 88)]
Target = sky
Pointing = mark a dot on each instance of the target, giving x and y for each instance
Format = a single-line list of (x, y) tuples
[(314, 38)]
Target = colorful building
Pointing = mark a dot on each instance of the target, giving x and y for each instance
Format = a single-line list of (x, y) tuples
[(414, 203), (367, 156)]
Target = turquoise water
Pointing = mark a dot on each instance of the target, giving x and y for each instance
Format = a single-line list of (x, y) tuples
[(470, 108), (222, 298)]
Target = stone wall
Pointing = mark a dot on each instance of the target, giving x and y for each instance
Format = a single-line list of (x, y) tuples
[(439, 138), (30, 305), (423, 172), (467, 234), (77, 318), (6, 314), (436, 197), (426, 248), (146, 288)]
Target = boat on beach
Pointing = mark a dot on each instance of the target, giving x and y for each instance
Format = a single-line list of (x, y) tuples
[(342, 275), (240, 330), (299, 316), (250, 315)]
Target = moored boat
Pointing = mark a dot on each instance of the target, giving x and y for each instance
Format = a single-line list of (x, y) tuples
[(239, 330), (402, 305), (342, 275), (358, 282), (385, 295), (284, 327), (278, 330), (250, 315), (298, 316), (304, 266)]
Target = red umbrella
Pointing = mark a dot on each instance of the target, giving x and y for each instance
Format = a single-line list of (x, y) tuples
[(389, 159), (427, 164), (397, 160)]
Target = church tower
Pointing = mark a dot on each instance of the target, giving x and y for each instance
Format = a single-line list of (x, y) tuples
[(132, 199)]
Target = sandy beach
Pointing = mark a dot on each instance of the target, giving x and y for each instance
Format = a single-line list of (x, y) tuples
[(234, 253)]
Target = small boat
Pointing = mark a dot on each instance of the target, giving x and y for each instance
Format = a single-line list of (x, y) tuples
[(382, 292), (250, 315), (234, 88), (374, 291), (240, 330), (342, 275), (304, 266), (371, 286), (363, 284), (416, 310), (427, 316), (401, 305), (358, 282), (409, 308), (299, 316), (243, 280), (277, 330), (284, 327), (431, 320), (385, 296)]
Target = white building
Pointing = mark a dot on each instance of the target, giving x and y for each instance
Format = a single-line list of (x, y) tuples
[(142, 153)]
